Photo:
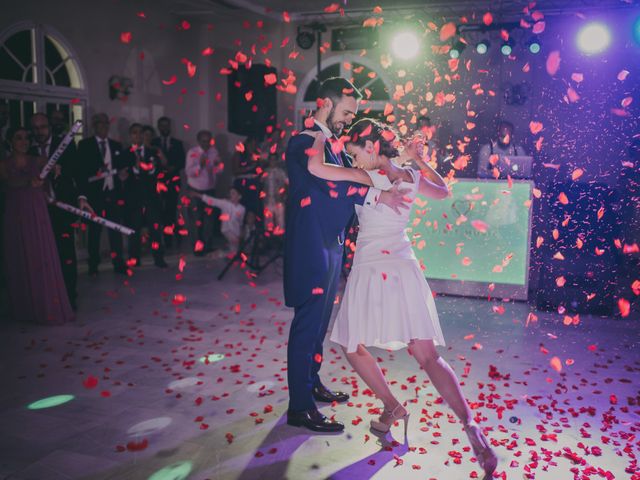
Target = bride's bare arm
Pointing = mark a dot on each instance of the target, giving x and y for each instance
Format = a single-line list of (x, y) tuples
[(328, 171), (432, 184)]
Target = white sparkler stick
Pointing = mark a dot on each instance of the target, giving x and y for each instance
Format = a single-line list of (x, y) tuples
[(66, 140), (94, 218), (103, 175)]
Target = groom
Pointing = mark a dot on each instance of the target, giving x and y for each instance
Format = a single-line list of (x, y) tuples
[(317, 213)]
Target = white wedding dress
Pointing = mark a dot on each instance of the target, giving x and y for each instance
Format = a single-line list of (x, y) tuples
[(387, 301)]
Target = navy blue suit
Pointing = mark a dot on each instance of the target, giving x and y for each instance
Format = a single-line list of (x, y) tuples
[(317, 212)]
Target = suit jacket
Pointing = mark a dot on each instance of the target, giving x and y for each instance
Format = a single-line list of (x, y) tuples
[(65, 186), (91, 163), (318, 212), (175, 152), (141, 186)]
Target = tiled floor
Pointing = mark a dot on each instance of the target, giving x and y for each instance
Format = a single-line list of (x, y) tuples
[(157, 412)]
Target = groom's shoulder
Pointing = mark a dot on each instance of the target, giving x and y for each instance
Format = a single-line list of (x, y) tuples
[(299, 140)]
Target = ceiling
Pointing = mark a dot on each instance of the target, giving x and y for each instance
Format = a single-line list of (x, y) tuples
[(307, 10)]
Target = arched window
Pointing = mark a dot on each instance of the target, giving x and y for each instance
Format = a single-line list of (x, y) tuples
[(362, 72), (40, 73)]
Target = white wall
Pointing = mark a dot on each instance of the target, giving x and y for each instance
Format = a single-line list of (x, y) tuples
[(93, 29)]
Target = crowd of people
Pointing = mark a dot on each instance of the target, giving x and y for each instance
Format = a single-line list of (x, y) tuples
[(150, 183)]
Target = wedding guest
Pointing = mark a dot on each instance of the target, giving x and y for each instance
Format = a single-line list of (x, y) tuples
[(232, 217), (491, 157), (203, 165), (143, 198), (63, 181), (99, 155), (173, 150), (274, 186), (246, 180), (36, 289)]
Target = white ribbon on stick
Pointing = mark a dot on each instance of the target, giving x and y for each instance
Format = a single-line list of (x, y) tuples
[(94, 218), (66, 140), (102, 175)]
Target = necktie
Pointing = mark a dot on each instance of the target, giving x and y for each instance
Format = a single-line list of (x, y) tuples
[(108, 181), (165, 142), (43, 151)]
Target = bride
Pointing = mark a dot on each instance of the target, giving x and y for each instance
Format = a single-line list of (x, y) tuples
[(387, 302)]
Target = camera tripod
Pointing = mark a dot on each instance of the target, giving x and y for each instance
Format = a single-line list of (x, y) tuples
[(253, 248)]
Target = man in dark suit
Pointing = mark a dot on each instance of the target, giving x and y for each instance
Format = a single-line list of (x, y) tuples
[(317, 214), (100, 155), (63, 181), (173, 150), (143, 199)]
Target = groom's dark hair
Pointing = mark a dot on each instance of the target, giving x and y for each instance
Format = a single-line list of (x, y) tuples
[(337, 87)]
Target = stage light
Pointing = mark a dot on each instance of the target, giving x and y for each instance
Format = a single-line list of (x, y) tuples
[(212, 358), (405, 45), (482, 47), (636, 31), (534, 46), (149, 426), (50, 402), (593, 38), (506, 49), (175, 471), (457, 48), (304, 39)]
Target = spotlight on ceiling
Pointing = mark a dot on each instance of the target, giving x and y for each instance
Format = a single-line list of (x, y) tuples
[(506, 48), (305, 39), (482, 47), (457, 48), (534, 46), (593, 38), (405, 45)]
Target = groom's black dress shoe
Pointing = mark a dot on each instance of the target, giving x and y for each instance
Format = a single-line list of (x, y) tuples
[(313, 420), (323, 394)]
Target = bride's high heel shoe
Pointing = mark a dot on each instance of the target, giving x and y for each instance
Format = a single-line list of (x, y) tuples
[(384, 427), (483, 452)]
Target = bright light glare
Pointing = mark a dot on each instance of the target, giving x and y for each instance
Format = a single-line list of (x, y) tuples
[(50, 402), (482, 48), (405, 45), (593, 38)]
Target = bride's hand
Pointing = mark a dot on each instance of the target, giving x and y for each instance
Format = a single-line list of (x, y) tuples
[(415, 147)]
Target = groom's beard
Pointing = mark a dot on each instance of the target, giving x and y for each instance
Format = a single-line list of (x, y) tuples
[(336, 129)]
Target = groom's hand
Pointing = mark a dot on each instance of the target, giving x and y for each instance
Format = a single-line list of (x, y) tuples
[(395, 198)]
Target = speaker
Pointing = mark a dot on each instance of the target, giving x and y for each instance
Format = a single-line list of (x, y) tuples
[(251, 102)]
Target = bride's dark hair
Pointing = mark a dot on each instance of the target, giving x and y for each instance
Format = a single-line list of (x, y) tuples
[(383, 137)]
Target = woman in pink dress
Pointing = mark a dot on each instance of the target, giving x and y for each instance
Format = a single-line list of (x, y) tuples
[(37, 293), (387, 302)]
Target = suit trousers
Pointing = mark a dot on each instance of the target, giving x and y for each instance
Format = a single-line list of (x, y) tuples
[(146, 210), (306, 337), (106, 206)]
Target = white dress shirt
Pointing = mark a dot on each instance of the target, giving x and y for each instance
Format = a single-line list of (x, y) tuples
[(198, 177), (108, 165), (233, 214)]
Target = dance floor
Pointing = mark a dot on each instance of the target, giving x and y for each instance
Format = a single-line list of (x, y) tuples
[(175, 379)]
